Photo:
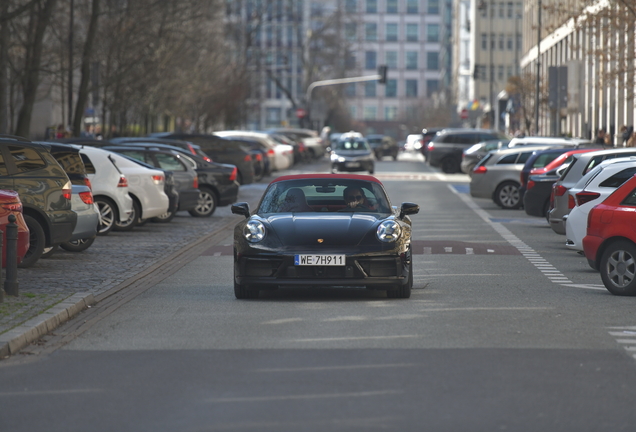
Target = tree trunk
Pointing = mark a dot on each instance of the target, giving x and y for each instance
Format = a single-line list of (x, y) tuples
[(82, 94), (4, 61), (31, 80)]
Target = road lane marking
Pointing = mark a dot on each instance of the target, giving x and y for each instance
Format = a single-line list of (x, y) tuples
[(338, 367), (353, 338)]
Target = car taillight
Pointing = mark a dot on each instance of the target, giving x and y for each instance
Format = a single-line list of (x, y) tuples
[(247, 158), (259, 157), (430, 146), (86, 197), (271, 153), (123, 181), (195, 183), (480, 170), (207, 159), (530, 185), (67, 190), (571, 203), (158, 178), (559, 190), (87, 182), (585, 197), (234, 174)]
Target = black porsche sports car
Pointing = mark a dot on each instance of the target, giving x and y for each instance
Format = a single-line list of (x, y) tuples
[(324, 230)]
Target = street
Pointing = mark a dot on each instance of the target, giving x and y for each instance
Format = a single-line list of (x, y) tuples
[(506, 329)]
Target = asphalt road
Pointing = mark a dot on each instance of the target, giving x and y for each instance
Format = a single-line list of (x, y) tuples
[(505, 330)]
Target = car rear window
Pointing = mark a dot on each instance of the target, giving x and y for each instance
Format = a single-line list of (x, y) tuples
[(26, 159), (71, 162), (544, 159), (619, 178), (630, 200), (508, 159), (90, 168)]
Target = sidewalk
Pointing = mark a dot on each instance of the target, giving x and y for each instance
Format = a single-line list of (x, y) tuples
[(57, 288)]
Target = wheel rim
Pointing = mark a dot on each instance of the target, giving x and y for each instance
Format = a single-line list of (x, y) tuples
[(166, 215), (509, 195), (108, 216), (206, 203), (130, 220), (621, 268), (78, 242)]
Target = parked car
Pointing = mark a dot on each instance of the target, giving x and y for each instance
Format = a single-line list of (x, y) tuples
[(610, 242), (178, 170), (427, 135), (300, 152), (592, 189), (472, 155), (221, 150), (383, 145), (538, 189), (88, 217), (553, 141), (188, 146), (109, 186), (218, 185), (10, 204), (352, 153), (581, 164), (413, 143), (310, 138), (446, 148), (358, 245), (497, 176), (29, 169), (281, 155)]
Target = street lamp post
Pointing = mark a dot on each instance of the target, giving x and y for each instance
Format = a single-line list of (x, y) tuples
[(536, 96)]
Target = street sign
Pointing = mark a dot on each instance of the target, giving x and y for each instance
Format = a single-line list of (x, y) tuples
[(464, 114), (300, 112)]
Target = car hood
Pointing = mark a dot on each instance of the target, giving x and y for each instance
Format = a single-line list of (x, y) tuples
[(297, 229)]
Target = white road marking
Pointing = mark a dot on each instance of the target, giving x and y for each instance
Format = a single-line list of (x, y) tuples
[(339, 367), (448, 249), (352, 338), (469, 251), (283, 321)]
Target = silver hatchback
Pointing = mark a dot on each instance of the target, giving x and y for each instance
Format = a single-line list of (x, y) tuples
[(497, 176)]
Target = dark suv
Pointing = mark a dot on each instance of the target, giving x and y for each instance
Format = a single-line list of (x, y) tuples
[(45, 190), (446, 148)]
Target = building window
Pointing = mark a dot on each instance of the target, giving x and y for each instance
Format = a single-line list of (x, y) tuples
[(273, 116), (372, 6), (391, 32), (370, 60), (371, 31), (350, 31), (411, 88), (411, 59), (431, 87), (501, 42), (390, 113), (350, 62), (350, 90), (390, 88), (433, 7), (510, 10), (370, 113), (484, 41), (509, 43), (351, 6), (502, 10), (369, 89), (353, 111), (432, 60), (432, 33), (391, 6), (500, 73), (391, 59), (412, 32), (492, 41), (412, 6)]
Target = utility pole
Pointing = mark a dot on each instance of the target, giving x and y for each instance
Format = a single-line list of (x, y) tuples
[(70, 65), (536, 96), (491, 11)]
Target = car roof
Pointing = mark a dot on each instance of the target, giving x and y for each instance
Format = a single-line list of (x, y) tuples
[(547, 140), (327, 176), (528, 148)]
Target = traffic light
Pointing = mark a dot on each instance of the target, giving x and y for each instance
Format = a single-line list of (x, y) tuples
[(382, 71)]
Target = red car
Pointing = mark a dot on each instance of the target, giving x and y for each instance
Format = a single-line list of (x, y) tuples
[(610, 243), (10, 204)]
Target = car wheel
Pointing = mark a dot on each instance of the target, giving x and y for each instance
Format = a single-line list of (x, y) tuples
[(450, 165), (206, 204), (371, 171), (108, 215), (48, 251), (243, 292), (164, 218), (402, 291), (132, 220), (239, 178), (507, 195), (395, 156), (77, 245), (37, 240), (469, 170), (618, 268), (546, 210)]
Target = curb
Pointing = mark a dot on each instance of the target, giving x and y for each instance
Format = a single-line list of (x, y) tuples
[(19, 337)]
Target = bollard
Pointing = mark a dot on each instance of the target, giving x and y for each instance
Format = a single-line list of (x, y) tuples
[(11, 280)]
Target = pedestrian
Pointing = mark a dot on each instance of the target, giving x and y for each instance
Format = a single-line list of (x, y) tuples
[(631, 141), (600, 137), (61, 132)]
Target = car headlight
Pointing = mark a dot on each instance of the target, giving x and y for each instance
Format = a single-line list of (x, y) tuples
[(254, 231), (389, 231)]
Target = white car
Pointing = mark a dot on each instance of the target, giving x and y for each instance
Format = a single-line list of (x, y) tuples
[(281, 155), (109, 186), (146, 188), (591, 190)]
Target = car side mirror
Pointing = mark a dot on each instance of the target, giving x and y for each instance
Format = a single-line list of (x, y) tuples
[(241, 208), (409, 209)]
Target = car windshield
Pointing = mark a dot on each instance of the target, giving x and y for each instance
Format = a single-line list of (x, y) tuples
[(323, 195), (352, 144)]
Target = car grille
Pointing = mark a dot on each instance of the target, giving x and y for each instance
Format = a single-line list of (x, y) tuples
[(354, 269)]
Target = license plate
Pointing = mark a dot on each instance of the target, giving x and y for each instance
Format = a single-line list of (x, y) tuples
[(319, 260), (352, 164)]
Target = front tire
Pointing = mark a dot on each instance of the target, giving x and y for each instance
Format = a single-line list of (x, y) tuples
[(164, 218), (618, 268), (243, 292), (37, 240), (48, 251), (206, 205), (403, 291), (108, 215), (132, 220), (507, 196), (77, 245), (450, 165)]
